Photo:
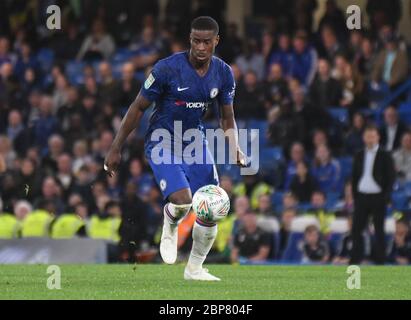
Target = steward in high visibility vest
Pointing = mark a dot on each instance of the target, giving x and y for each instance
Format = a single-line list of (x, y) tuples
[(66, 226), (9, 226), (37, 224), (107, 225)]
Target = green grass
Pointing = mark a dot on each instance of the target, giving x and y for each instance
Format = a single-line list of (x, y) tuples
[(238, 282)]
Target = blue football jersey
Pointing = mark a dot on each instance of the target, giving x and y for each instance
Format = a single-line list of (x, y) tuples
[(179, 93)]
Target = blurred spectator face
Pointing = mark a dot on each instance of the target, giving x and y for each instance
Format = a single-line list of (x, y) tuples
[(81, 211), (105, 70), (401, 229), (356, 39), (312, 235), (406, 142), (89, 102), (241, 206), (5, 145), (358, 121), (4, 46), (371, 138), (227, 184), (250, 223), (90, 84), (318, 200), (102, 201), (56, 71), (14, 118), (88, 72), (34, 99), (328, 37), (148, 35), (64, 164), (83, 176), (21, 209), (250, 79), (33, 154), (302, 169), (323, 69), (390, 116), (74, 199), (177, 46), (46, 106), (366, 47), (297, 152), (299, 44), (127, 71), (99, 189), (27, 167), (56, 145), (131, 189), (287, 217), (114, 211), (319, 138), (98, 28), (264, 203), (29, 75), (284, 42), (289, 201), (80, 149), (25, 50), (49, 188), (106, 140), (135, 168), (322, 154), (61, 82), (112, 181), (236, 72), (298, 97), (276, 73), (6, 70)]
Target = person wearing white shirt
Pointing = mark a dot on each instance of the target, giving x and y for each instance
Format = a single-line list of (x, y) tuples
[(372, 179)]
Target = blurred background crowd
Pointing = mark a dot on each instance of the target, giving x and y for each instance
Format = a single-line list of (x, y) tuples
[(309, 87)]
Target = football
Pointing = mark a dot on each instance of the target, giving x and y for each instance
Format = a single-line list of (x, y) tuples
[(211, 203)]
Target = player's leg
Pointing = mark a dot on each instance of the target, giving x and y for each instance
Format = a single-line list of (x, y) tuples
[(204, 233), (174, 186), (174, 211)]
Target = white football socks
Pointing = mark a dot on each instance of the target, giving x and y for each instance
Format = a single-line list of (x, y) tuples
[(174, 213), (203, 238)]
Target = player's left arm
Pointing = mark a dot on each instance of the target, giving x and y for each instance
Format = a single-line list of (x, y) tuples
[(229, 126)]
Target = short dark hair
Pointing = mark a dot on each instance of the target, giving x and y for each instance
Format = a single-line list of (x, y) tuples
[(205, 23), (371, 127)]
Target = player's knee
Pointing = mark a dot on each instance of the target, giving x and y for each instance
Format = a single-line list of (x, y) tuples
[(181, 199), (180, 210)]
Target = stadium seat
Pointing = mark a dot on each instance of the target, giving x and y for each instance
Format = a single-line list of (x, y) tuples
[(277, 200), (271, 226), (122, 55), (404, 112), (269, 156), (339, 114), (338, 228), (332, 199), (45, 57), (293, 251), (74, 71), (399, 200)]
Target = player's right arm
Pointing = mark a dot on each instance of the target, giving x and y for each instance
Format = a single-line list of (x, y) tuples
[(130, 122)]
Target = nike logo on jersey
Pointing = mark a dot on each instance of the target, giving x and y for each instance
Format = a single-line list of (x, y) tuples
[(182, 89)]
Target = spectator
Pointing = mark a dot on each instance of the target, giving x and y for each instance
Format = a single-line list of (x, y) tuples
[(303, 184), (251, 243), (344, 249), (71, 106), (231, 47), (97, 45), (402, 158), (287, 217), (108, 89), (283, 55), (366, 60), (353, 140), (46, 125), (353, 89), (391, 64), (400, 252), (287, 127), (250, 98), (15, 124), (325, 91), (334, 18), (319, 210), (64, 173), (7, 152), (331, 47), (55, 149), (251, 60), (326, 170), (346, 205), (51, 197), (392, 130), (25, 61), (128, 86), (252, 187), (315, 250), (305, 59), (276, 86), (29, 180), (297, 155), (145, 51), (289, 201)]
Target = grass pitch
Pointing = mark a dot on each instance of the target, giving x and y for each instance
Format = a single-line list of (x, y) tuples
[(238, 282)]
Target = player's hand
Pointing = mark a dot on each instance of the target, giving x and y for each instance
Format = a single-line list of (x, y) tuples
[(242, 159), (112, 161)]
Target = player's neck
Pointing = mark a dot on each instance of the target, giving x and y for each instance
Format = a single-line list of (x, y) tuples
[(199, 66)]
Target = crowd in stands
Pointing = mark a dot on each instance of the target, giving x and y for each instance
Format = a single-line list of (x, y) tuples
[(311, 92)]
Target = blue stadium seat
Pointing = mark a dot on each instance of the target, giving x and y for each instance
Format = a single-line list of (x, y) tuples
[(334, 241), (293, 252), (262, 127), (332, 199), (270, 156), (230, 170), (74, 71), (277, 200), (45, 57), (122, 55), (399, 200), (404, 112), (339, 114)]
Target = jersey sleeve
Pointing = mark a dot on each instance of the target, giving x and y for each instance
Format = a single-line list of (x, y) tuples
[(228, 87), (156, 82)]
